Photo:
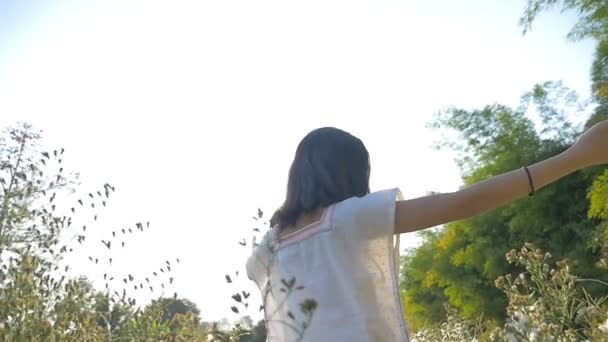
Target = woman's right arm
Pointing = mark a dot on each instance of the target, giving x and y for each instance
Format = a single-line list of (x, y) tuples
[(429, 211)]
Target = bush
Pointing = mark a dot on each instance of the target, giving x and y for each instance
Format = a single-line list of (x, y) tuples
[(546, 303), (38, 301)]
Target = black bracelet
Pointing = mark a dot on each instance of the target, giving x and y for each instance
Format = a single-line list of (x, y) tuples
[(531, 182)]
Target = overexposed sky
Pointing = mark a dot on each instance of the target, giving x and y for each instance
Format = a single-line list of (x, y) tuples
[(193, 108)]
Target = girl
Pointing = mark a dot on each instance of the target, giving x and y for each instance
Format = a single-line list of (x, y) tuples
[(335, 242)]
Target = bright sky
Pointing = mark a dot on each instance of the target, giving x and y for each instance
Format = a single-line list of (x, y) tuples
[(193, 109)]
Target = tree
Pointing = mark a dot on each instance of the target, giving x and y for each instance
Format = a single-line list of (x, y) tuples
[(38, 301), (26, 183), (459, 264), (174, 306), (599, 71), (592, 23), (424, 303)]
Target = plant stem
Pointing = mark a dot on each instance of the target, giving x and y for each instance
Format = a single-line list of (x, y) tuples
[(592, 281)]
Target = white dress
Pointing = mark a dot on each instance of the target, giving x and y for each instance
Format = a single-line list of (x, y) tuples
[(348, 263)]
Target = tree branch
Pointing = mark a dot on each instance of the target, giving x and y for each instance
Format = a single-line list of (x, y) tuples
[(6, 203)]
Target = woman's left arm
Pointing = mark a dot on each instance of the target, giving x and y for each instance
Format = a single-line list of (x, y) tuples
[(424, 212)]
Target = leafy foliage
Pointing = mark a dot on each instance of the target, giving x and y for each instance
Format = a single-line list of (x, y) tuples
[(458, 264), (593, 16), (38, 300), (452, 329), (546, 303), (598, 197), (568, 218)]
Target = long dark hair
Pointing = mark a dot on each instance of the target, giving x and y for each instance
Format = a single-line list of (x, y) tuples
[(330, 166)]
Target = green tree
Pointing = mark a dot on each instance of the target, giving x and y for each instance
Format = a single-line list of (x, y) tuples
[(459, 264), (38, 301), (592, 23), (174, 306), (424, 302), (593, 16)]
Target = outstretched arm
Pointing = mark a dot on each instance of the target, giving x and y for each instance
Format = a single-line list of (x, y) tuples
[(424, 212)]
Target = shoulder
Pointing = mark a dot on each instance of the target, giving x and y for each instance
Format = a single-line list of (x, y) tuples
[(376, 201), (374, 211), (261, 257)]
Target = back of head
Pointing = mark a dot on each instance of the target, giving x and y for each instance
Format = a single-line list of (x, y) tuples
[(330, 166)]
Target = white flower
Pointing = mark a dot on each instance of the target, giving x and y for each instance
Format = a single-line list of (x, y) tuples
[(511, 338), (604, 327), (534, 335)]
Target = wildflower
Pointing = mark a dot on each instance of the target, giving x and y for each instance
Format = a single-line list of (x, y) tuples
[(546, 268), (500, 282), (511, 256), (534, 335), (604, 327)]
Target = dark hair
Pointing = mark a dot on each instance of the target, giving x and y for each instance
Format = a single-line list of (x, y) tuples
[(330, 166)]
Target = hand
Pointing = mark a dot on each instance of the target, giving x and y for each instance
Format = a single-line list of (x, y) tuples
[(591, 148)]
